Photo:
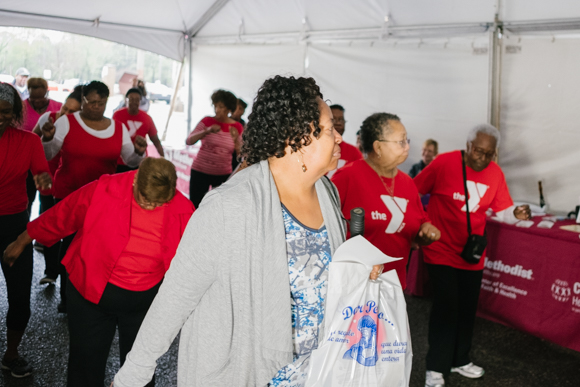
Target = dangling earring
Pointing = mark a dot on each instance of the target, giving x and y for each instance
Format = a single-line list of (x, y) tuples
[(304, 169)]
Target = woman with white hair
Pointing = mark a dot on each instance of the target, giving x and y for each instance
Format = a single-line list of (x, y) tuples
[(454, 269)]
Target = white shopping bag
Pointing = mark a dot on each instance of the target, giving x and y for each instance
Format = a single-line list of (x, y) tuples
[(366, 339)]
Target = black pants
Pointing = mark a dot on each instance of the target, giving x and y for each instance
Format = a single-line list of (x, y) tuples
[(51, 254), (30, 191), (63, 248), (19, 276), (92, 329), (456, 293), (199, 184)]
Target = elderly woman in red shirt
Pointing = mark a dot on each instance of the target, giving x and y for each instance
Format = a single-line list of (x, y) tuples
[(127, 229), (394, 215), (20, 152)]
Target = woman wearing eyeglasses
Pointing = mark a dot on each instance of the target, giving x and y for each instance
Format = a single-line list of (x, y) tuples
[(127, 229), (394, 216), (90, 145)]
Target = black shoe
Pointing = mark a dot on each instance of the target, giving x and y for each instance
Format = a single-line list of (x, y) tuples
[(61, 307), (18, 367)]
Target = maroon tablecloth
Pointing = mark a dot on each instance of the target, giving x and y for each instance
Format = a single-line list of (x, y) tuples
[(531, 280)]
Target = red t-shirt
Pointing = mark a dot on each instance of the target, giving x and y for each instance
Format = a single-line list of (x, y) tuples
[(215, 154), (140, 124), (391, 223), (84, 157), (141, 266), (348, 153), (443, 179), (20, 152)]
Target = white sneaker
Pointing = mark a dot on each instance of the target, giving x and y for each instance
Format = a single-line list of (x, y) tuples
[(469, 371), (434, 379)]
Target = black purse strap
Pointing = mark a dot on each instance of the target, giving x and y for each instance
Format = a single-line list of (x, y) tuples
[(465, 190)]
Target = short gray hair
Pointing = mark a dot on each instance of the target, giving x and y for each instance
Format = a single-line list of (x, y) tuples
[(488, 129)]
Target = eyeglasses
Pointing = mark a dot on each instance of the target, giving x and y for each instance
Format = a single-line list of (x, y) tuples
[(402, 143), (95, 103), (480, 153)]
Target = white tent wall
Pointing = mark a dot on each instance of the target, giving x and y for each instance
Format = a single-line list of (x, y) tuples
[(438, 89), (241, 69), (540, 119)]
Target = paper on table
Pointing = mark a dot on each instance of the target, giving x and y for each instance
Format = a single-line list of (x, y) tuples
[(525, 223), (545, 224)]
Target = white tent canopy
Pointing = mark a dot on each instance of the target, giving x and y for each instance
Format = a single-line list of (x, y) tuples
[(163, 26), (442, 66)]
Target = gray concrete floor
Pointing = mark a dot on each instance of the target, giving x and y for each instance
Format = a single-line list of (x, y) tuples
[(510, 357)]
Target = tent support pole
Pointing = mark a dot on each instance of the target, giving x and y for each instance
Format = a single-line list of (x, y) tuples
[(190, 87), (495, 73)]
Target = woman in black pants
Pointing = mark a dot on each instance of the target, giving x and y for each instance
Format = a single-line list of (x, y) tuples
[(20, 152), (220, 136), (127, 229)]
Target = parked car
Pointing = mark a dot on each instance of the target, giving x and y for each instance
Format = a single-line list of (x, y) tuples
[(159, 92)]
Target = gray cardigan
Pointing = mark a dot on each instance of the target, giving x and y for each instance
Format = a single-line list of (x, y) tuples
[(227, 289)]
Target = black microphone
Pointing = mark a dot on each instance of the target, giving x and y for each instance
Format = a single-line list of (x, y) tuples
[(357, 221)]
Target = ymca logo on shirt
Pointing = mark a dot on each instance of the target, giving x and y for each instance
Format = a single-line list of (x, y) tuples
[(397, 207), (476, 192), (133, 127)]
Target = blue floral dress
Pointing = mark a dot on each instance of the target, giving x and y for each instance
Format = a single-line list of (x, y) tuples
[(308, 259)]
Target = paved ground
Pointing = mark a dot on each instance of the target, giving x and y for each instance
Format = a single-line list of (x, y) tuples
[(510, 357)]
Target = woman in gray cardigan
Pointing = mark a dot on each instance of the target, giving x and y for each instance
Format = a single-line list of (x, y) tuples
[(248, 283)]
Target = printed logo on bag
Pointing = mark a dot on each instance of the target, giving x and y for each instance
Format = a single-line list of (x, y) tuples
[(133, 127), (366, 339), (397, 207), (561, 291), (476, 192)]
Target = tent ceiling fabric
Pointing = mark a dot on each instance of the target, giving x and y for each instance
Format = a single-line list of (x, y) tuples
[(160, 26)]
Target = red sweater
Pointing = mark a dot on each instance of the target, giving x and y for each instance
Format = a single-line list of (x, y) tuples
[(101, 211), (20, 152)]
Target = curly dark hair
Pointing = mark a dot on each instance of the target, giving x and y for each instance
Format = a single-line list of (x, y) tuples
[(372, 128), (99, 87), (17, 108), (226, 97), (281, 115)]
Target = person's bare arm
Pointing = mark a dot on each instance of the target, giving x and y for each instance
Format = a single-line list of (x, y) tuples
[(193, 138), (155, 140)]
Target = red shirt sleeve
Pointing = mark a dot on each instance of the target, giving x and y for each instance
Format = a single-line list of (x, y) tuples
[(152, 128), (65, 218), (38, 163), (502, 199), (425, 180)]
